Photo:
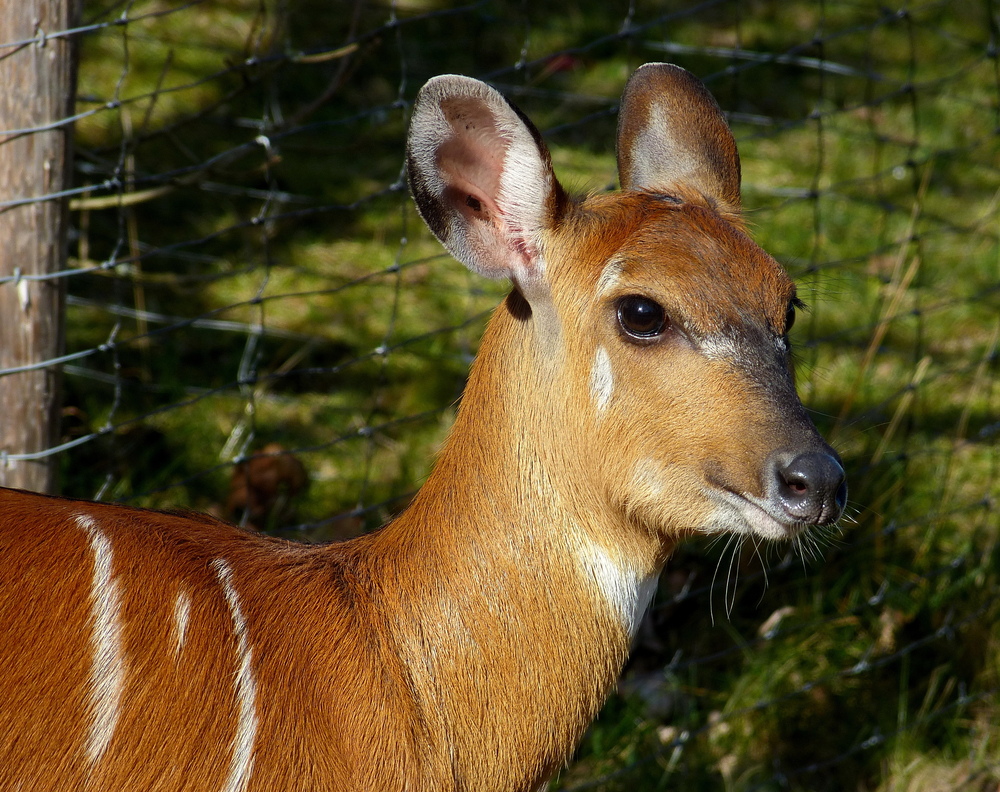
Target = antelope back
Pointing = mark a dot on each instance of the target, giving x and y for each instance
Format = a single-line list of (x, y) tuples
[(646, 339)]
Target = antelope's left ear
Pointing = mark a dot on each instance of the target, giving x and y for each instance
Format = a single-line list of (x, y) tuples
[(673, 138), (482, 180)]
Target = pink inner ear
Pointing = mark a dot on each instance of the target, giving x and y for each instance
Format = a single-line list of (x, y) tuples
[(471, 203), (471, 170), (471, 161)]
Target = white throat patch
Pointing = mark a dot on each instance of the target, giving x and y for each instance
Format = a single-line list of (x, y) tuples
[(627, 592)]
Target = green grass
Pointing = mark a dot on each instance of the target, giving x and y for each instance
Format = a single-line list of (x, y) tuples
[(877, 185)]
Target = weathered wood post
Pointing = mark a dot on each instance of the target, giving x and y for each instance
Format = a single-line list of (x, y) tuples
[(38, 75)]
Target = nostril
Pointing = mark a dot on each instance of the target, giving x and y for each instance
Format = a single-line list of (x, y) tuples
[(811, 487), (797, 486)]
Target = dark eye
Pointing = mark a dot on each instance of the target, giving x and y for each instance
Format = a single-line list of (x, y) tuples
[(641, 317), (789, 317), (793, 306)]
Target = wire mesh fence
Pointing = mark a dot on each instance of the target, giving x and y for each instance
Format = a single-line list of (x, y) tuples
[(258, 325)]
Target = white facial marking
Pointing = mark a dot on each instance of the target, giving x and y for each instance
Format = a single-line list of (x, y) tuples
[(720, 347), (107, 670), (725, 347), (625, 590), (648, 476), (746, 514), (610, 276), (182, 615), (241, 764), (602, 381)]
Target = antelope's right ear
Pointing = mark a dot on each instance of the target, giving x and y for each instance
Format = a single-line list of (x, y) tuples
[(482, 180)]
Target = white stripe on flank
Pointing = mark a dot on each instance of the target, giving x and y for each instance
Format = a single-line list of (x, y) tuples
[(241, 765), (182, 615), (107, 670), (602, 381)]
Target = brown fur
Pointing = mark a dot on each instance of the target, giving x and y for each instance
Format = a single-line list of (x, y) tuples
[(468, 644)]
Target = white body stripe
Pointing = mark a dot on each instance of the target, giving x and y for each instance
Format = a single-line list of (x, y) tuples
[(241, 765), (182, 615), (602, 380), (107, 670)]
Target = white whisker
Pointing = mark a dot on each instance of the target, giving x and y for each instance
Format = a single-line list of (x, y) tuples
[(733, 581), (763, 567), (711, 589)]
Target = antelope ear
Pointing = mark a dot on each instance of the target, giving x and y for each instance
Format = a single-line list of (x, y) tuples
[(673, 138), (482, 180)]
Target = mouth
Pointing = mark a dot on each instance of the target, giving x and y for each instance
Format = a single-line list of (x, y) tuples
[(743, 513)]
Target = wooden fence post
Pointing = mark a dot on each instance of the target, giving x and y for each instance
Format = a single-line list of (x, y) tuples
[(38, 79)]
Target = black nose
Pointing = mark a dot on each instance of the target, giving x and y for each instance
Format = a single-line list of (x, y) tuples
[(811, 487)]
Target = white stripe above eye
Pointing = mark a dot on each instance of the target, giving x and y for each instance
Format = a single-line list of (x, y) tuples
[(107, 669), (610, 276), (241, 764)]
